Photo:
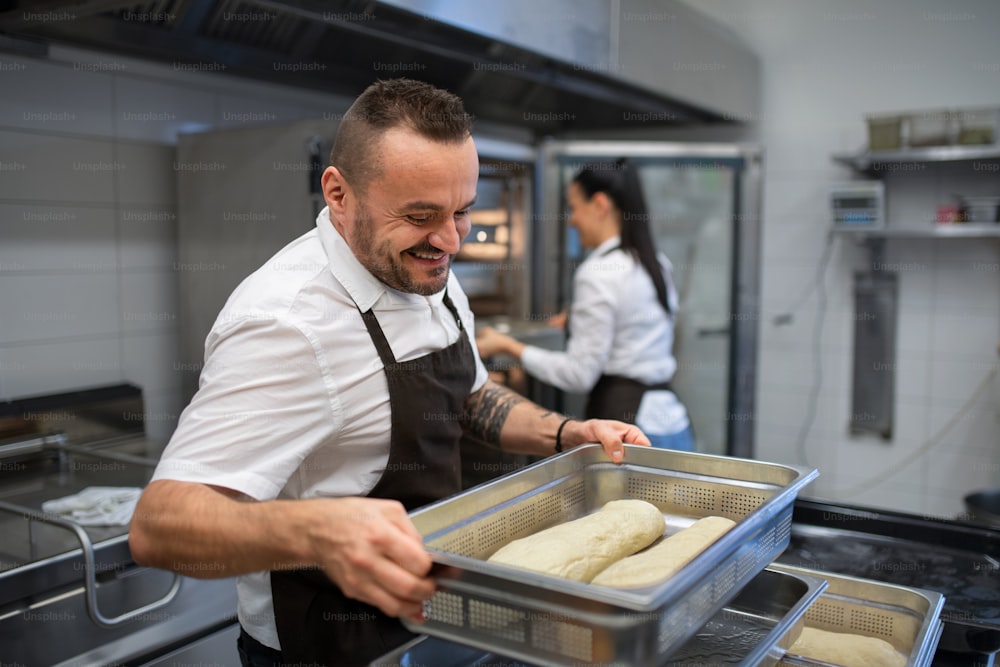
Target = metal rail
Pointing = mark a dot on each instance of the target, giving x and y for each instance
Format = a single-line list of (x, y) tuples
[(89, 569)]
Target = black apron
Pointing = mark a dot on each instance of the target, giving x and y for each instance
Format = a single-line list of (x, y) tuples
[(316, 623), (618, 397)]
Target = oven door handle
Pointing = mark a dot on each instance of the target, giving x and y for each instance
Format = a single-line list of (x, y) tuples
[(89, 570)]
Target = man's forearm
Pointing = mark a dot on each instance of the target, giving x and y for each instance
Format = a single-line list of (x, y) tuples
[(367, 546), (502, 417), (206, 533)]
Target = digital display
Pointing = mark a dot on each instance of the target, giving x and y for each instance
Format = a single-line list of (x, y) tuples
[(855, 202)]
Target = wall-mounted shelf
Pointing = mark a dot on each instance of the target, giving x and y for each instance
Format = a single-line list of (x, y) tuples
[(868, 161), (956, 231), (877, 163)]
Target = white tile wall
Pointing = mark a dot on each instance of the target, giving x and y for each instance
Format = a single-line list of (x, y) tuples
[(88, 224), (55, 98), (64, 239), (147, 237), (153, 110), (59, 307), (55, 366), (150, 177), (816, 93), (47, 168), (148, 361)]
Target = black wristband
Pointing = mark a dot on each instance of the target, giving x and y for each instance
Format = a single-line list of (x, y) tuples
[(559, 446)]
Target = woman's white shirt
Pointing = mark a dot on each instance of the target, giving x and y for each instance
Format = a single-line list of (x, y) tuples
[(617, 327)]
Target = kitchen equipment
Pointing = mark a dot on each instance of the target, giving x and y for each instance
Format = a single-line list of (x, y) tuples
[(907, 618), (71, 594), (958, 560), (492, 262), (760, 622), (984, 506), (858, 204), (549, 621)]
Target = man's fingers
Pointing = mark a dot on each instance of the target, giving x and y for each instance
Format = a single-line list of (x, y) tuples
[(637, 437), (614, 434), (400, 583), (402, 544), (391, 588)]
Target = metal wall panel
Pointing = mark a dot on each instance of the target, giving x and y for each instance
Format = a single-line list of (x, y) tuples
[(874, 379)]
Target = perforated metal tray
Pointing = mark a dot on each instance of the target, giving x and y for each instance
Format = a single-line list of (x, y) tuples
[(742, 634), (907, 618), (551, 621)]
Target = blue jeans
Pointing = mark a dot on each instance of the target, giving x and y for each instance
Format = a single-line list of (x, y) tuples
[(682, 440)]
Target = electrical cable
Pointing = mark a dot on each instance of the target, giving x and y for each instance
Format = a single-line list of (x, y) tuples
[(818, 285), (929, 444), (787, 316)]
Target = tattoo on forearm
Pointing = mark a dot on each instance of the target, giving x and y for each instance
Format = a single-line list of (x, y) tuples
[(487, 410)]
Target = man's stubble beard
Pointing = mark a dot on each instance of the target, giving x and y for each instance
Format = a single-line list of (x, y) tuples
[(386, 265)]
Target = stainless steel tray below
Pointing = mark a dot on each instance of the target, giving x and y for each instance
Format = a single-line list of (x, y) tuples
[(546, 620), (907, 618), (745, 633)]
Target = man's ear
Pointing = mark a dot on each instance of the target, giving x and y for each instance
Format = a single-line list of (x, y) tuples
[(336, 191)]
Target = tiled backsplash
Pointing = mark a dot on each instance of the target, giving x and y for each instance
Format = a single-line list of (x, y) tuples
[(88, 216)]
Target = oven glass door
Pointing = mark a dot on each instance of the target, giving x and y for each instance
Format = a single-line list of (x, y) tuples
[(703, 203)]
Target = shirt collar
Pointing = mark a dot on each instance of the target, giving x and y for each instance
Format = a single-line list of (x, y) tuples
[(606, 246), (364, 289)]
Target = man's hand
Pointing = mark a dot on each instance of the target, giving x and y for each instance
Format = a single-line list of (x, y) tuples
[(371, 550), (612, 435)]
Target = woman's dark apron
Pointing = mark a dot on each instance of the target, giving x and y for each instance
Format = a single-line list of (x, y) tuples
[(617, 397), (316, 623)]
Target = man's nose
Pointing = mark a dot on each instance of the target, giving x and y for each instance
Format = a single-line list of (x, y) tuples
[(448, 235)]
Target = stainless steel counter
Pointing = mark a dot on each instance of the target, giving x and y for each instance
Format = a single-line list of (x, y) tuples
[(71, 594)]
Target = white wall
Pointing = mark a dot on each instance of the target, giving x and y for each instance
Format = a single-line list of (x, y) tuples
[(825, 64), (88, 219)]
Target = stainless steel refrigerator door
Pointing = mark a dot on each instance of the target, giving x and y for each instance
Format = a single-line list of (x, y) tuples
[(704, 204)]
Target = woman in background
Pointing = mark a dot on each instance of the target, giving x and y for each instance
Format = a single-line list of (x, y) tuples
[(621, 321)]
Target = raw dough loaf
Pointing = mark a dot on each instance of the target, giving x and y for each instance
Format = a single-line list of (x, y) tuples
[(581, 548), (849, 650), (662, 561)]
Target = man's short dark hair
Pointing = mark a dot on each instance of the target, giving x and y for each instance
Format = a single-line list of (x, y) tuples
[(431, 112)]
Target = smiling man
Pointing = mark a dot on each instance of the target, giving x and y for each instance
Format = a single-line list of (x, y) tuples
[(337, 381)]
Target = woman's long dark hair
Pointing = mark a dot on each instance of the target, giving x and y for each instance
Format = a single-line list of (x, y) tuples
[(619, 180)]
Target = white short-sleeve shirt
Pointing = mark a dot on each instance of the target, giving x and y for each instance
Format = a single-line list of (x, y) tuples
[(292, 399)]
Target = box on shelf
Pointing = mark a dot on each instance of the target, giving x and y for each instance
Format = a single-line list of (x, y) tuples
[(885, 132), (934, 127), (979, 209), (978, 126), (972, 126)]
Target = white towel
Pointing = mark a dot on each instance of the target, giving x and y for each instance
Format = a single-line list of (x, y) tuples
[(97, 505)]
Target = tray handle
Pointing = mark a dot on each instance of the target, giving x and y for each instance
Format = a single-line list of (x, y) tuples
[(89, 576)]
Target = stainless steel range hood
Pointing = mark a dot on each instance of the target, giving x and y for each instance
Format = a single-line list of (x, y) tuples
[(547, 65)]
